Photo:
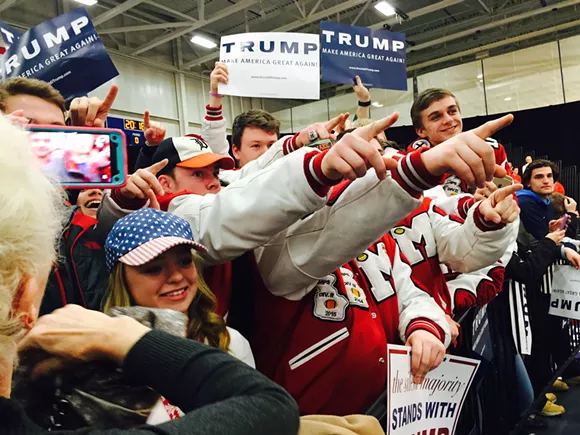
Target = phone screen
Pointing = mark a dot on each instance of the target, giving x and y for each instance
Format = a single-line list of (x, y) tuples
[(73, 157)]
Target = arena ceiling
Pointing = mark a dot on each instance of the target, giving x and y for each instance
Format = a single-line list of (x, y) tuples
[(440, 33)]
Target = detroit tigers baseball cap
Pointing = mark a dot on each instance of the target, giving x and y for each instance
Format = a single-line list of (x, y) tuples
[(190, 151), (146, 234)]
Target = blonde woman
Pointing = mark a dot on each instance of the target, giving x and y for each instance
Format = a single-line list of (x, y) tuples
[(151, 258), (219, 394)]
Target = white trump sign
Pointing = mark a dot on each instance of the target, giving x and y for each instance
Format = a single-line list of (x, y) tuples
[(430, 408), (272, 65)]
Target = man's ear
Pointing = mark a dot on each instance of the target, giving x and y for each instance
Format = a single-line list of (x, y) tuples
[(166, 182), (421, 133), (236, 152), (27, 301)]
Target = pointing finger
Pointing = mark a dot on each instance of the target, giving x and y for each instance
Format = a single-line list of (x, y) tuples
[(491, 127), (370, 131), (146, 120), (331, 125), (156, 167), (500, 194), (110, 98)]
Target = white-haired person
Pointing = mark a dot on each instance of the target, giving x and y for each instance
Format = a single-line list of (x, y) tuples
[(218, 393)]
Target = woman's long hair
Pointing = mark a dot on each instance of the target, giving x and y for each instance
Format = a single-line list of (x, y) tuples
[(204, 323)]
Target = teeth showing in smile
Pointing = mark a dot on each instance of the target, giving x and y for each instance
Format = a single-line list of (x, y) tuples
[(175, 293)]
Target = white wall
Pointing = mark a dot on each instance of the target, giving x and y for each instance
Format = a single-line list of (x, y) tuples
[(144, 88)]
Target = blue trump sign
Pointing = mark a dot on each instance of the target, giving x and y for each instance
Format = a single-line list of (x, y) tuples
[(377, 56), (65, 52)]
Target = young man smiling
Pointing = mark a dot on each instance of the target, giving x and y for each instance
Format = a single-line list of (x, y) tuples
[(436, 117)]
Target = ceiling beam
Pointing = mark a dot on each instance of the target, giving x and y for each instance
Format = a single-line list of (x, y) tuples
[(201, 9), (7, 4), (315, 7), (170, 11), (117, 10), (484, 6), (319, 15), (230, 10), (497, 44), (310, 19), (490, 25), (362, 11), (419, 12), (144, 28)]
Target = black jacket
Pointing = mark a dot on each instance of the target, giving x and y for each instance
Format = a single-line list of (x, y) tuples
[(79, 276), (219, 394)]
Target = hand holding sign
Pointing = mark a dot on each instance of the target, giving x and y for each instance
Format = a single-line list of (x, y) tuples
[(427, 352), (351, 156), (468, 155), (154, 131), (144, 182), (501, 207), (217, 76), (92, 112)]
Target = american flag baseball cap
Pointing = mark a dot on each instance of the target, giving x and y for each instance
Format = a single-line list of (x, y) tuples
[(144, 235), (190, 151)]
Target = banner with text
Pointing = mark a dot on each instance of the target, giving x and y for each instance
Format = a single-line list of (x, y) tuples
[(272, 65), (65, 52), (9, 35), (565, 298), (376, 56), (430, 408)]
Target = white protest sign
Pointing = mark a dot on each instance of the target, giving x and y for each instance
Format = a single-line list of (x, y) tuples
[(430, 408), (565, 299), (272, 65)]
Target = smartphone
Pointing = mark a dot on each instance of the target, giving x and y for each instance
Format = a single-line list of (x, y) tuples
[(503, 182), (564, 222), (79, 157)]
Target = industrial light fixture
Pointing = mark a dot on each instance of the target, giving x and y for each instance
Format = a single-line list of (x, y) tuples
[(507, 99), (480, 76), (87, 2), (385, 9), (204, 42), (376, 104)]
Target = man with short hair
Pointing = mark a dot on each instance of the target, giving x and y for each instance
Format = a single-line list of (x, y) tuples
[(534, 200), (436, 117), (253, 131)]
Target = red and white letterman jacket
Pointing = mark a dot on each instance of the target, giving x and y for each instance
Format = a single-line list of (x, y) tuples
[(327, 346), (429, 237)]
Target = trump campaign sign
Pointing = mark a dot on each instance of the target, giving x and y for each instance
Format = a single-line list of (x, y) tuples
[(272, 65), (430, 408), (376, 56), (65, 52)]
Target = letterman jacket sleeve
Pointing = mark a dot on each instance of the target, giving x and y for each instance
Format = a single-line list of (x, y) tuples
[(213, 130), (279, 149), (469, 246), (249, 212), (475, 288), (417, 309), (357, 214)]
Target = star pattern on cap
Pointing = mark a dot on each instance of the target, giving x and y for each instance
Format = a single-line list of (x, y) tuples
[(143, 226)]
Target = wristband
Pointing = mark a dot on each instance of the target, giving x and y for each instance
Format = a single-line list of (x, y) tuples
[(215, 94), (364, 103)]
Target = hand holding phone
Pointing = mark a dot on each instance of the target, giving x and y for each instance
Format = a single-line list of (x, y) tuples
[(503, 182), (81, 158)]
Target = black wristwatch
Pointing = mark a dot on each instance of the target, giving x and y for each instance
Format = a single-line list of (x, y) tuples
[(364, 103)]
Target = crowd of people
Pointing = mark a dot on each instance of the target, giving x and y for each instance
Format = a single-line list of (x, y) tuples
[(293, 262)]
